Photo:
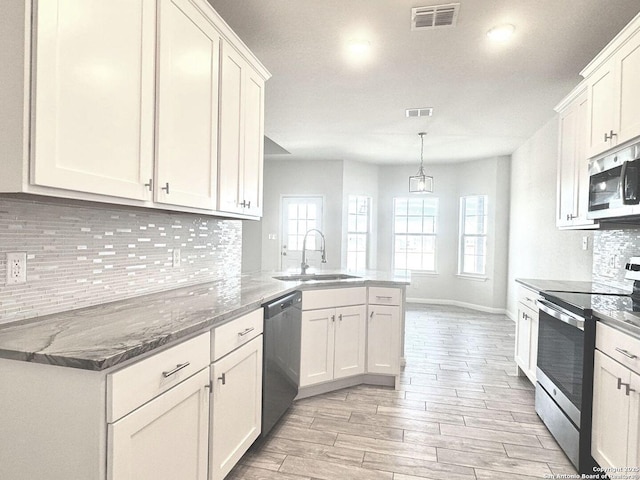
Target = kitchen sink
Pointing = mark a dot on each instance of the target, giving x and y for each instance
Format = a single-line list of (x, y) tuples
[(314, 276)]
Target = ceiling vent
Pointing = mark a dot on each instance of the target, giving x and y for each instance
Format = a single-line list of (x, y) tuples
[(435, 16), (419, 112)]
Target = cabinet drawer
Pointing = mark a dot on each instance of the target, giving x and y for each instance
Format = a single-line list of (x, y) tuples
[(384, 296), (619, 346), (135, 385), (528, 298), (230, 336), (335, 297)]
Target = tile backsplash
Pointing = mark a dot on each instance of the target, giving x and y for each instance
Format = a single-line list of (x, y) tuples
[(611, 251), (82, 255)]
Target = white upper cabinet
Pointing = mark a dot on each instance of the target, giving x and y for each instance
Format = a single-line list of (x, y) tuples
[(93, 99), (118, 101), (241, 135), (187, 113), (613, 78), (573, 164)]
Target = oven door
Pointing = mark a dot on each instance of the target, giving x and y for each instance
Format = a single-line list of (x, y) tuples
[(561, 357)]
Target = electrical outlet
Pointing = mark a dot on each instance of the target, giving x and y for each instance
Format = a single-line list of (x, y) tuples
[(16, 268), (585, 242), (176, 257)]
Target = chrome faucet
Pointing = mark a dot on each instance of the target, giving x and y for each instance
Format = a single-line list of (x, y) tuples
[(304, 265)]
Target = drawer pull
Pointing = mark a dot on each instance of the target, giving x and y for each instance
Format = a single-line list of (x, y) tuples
[(384, 296), (223, 378), (246, 331), (371, 315), (626, 354), (179, 367), (340, 317), (333, 318)]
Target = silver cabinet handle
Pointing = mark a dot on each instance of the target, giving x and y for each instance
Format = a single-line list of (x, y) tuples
[(249, 204), (626, 353), (165, 188), (149, 185), (223, 378), (179, 367), (610, 135), (245, 331), (384, 296), (333, 318), (340, 317), (371, 315), (627, 387)]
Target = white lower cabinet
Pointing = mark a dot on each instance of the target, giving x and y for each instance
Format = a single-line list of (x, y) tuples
[(383, 342), (164, 439), (236, 410), (333, 343), (616, 399), (526, 348)]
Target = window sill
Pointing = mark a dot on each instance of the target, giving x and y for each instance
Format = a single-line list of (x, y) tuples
[(474, 278)]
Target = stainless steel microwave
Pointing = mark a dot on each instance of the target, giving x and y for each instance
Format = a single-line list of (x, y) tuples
[(614, 184)]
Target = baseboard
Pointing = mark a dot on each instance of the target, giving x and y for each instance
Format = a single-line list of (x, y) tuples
[(456, 303), (332, 385)]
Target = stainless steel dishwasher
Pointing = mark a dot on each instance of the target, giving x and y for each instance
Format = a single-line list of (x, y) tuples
[(281, 361)]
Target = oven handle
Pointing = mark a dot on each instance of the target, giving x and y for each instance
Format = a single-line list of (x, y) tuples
[(550, 309)]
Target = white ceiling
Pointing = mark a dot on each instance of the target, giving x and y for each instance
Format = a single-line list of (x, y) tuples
[(487, 98)]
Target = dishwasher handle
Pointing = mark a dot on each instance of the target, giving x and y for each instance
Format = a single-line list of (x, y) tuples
[(279, 305)]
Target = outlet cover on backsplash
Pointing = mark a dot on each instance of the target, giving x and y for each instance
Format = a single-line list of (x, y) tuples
[(86, 255), (611, 251)]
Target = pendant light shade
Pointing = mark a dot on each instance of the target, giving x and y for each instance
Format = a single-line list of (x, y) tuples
[(421, 183)]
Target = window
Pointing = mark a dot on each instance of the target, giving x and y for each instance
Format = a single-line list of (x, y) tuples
[(299, 215), (357, 232), (414, 233), (473, 235)]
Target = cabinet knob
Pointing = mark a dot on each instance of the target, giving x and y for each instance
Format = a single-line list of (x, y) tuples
[(165, 188)]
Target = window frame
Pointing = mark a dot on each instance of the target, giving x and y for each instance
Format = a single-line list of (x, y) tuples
[(434, 234), (462, 235), (367, 233)]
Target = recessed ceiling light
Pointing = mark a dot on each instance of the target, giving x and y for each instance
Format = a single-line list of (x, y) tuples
[(501, 33), (359, 46)]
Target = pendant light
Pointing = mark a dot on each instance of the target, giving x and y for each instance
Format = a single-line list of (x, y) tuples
[(421, 183)]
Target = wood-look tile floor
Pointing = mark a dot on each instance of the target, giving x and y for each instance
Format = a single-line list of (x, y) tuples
[(461, 413)]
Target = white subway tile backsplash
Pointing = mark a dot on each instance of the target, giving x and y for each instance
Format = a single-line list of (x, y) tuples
[(81, 255)]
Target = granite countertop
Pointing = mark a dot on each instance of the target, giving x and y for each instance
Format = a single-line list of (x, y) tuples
[(102, 336), (540, 285)]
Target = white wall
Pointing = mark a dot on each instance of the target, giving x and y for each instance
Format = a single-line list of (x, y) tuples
[(537, 249), (489, 177), (286, 177)]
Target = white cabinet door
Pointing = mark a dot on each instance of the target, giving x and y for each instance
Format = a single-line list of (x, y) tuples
[(236, 411), (164, 439), (628, 61), (523, 339), (602, 100), (350, 341), (232, 67), (187, 115), (253, 143), (317, 346), (241, 135), (94, 96), (610, 413), (383, 340)]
